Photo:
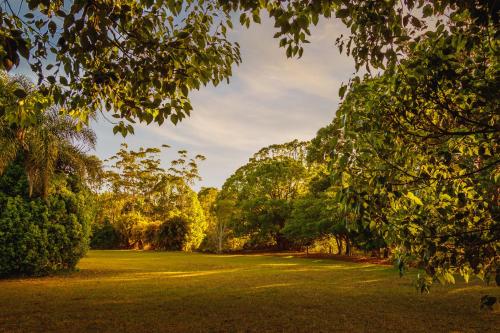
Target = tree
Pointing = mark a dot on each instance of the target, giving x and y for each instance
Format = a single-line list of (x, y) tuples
[(99, 46), (46, 203), (135, 59), (381, 31), (40, 236), (173, 234), (431, 196), (264, 189), (140, 196), (227, 212), (207, 197), (47, 144)]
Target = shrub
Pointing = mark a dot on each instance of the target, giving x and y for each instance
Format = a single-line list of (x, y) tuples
[(41, 236), (150, 235), (38, 237), (105, 236), (173, 234)]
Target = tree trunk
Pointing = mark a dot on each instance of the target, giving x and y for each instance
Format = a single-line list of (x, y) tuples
[(281, 242), (220, 237), (339, 245), (347, 246)]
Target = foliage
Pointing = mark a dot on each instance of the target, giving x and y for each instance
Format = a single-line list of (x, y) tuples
[(279, 200), (227, 213), (380, 31), (207, 197), (263, 191), (415, 154), (308, 219), (173, 234), (46, 205), (41, 236), (318, 215), (192, 212), (98, 47), (104, 236), (140, 197), (135, 59), (48, 144)]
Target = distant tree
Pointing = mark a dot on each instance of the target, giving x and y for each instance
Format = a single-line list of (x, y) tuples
[(105, 236), (207, 197), (173, 234), (139, 196), (227, 213), (264, 189)]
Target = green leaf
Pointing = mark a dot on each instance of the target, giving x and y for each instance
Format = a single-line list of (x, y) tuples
[(342, 91), (414, 198), (342, 13), (427, 10), (185, 90), (242, 18), (52, 27)]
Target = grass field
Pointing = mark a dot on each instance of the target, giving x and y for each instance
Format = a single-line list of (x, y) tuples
[(132, 291)]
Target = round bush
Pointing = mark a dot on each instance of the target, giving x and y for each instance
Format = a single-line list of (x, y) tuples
[(38, 237), (105, 236), (172, 234)]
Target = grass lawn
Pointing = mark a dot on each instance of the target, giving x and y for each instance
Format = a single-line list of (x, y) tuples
[(133, 291)]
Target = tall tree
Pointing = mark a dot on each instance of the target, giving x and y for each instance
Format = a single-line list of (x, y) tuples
[(141, 198), (433, 198), (264, 189), (48, 143), (208, 198)]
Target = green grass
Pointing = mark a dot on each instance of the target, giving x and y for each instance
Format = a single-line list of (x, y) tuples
[(132, 291)]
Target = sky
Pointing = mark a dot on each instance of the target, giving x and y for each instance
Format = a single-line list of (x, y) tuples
[(270, 99)]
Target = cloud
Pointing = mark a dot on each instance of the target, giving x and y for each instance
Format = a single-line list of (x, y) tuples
[(270, 99)]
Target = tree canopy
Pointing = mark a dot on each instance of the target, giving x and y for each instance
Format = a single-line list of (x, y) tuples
[(48, 144), (138, 59)]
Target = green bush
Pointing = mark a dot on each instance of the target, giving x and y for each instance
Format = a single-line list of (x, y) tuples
[(173, 234), (41, 236), (105, 236)]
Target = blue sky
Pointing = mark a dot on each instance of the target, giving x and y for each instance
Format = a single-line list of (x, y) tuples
[(270, 99)]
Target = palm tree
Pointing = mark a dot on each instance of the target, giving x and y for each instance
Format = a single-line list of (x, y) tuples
[(48, 144)]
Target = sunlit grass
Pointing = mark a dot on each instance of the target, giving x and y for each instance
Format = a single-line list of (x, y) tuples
[(132, 291)]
